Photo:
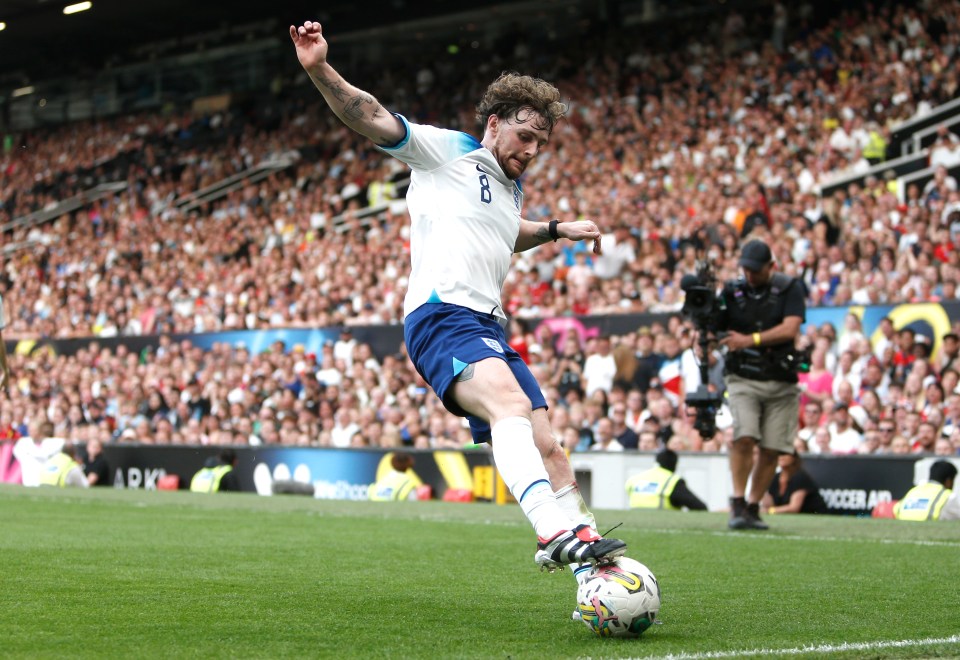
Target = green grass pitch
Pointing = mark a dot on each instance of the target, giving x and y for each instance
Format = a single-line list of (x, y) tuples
[(132, 574)]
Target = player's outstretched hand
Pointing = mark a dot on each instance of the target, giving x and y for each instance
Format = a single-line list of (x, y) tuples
[(311, 46), (581, 230)]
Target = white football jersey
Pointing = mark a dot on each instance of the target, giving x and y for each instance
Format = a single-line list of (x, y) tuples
[(465, 219)]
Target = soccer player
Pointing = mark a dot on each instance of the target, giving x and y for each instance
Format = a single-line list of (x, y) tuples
[(465, 203)]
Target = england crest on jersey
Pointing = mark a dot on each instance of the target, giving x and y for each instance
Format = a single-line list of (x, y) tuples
[(493, 343)]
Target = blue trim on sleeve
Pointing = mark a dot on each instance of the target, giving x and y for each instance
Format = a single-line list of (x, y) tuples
[(406, 134), (468, 143)]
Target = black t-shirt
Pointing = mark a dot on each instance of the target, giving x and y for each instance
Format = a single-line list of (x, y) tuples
[(684, 497), (812, 503), (230, 482), (99, 467)]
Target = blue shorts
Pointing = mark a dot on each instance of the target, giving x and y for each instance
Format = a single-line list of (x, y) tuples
[(442, 339)]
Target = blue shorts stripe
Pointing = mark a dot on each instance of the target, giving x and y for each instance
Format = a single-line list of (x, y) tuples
[(538, 481)]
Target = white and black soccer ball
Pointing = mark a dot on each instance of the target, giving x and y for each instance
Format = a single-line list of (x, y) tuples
[(621, 599)]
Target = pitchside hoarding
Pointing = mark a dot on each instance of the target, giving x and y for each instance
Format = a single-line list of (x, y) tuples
[(850, 485)]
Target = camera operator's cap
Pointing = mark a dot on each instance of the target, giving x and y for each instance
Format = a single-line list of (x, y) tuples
[(755, 255)]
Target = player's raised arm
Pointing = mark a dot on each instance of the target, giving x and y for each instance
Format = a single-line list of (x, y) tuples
[(355, 108), (533, 234)]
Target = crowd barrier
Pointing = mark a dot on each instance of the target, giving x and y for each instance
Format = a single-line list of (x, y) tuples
[(931, 320), (850, 485)]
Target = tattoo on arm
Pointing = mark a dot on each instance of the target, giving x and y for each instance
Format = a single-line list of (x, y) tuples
[(335, 88), (542, 234), (353, 109), (467, 372)]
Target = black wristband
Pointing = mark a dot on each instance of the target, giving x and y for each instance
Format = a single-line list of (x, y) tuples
[(552, 227)]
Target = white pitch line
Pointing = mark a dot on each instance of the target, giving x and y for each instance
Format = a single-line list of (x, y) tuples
[(800, 537), (821, 648)]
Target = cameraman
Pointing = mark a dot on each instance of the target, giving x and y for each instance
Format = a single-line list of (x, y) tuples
[(763, 312)]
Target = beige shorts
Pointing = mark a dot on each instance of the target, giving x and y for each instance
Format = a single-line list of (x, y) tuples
[(766, 410)]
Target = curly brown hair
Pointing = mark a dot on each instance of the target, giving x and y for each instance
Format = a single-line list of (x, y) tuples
[(511, 91)]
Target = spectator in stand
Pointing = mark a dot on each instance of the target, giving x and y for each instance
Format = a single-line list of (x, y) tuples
[(949, 355), (647, 372), (925, 438), (599, 368), (568, 376), (871, 442), (649, 441), (605, 440), (810, 420), (944, 447), (623, 434), (945, 150), (887, 337), (816, 385), (904, 356), (635, 410), (844, 439), (951, 420), (870, 408), (874, 380), (910, 421), (886, 430), (670, 376), (900, 445), (821, 441)]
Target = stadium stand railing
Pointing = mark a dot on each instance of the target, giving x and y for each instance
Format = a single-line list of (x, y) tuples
[(920, 178), (68, 205), (236, 181), (902, 138), (902, 167), (925, 138)]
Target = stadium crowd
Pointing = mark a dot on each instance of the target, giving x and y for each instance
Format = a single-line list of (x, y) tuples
[(674, 151)]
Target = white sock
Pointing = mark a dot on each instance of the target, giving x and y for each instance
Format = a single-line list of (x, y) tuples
[(521, 468), (581, 572), (572, 504)]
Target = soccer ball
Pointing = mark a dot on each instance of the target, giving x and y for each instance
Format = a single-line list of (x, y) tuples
[(621, 599)]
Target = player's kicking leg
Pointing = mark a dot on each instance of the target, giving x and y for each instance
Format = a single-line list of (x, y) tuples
[(568, 496), (489, 390)]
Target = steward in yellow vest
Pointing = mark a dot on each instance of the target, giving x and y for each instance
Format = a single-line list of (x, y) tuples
[(62, 470), (398, 484), (875, 150), (652, 489), (217, 475), (934, 500), (660, 488)]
